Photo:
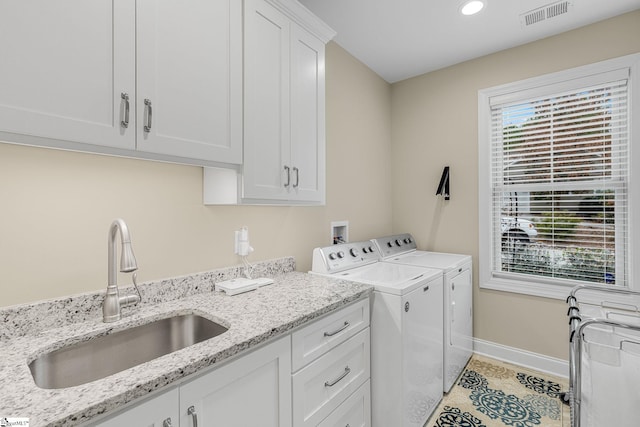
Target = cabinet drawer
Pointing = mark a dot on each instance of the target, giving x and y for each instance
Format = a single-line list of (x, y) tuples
[(353, 412), (321, 387), (316, 339)]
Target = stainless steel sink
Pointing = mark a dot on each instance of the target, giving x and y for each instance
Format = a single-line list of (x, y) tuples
[(100, 357)]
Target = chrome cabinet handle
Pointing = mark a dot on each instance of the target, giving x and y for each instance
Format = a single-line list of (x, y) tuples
[(288, 176), (125, 123), (192, 411), (167, 423), (340, 329), (337, 380), (297, 171), (147, 103)]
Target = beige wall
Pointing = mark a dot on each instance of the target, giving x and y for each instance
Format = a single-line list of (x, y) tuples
[(434, 124), (56, 206)]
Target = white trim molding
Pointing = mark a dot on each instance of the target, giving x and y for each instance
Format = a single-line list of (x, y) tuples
[(539, 286), (524, 358)]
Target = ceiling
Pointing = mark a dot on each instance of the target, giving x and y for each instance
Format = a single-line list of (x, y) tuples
[(399, 39)]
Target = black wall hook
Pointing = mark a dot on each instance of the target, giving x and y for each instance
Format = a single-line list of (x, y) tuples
[(443, 187)]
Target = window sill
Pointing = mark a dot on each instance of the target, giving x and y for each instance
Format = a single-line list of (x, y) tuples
[(543, 290), (556, 291)]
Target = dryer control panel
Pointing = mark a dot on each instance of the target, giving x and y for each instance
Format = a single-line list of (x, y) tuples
[(395, 245), (332, 259)]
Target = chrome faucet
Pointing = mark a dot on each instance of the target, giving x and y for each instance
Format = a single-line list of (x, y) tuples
[(112, 301)]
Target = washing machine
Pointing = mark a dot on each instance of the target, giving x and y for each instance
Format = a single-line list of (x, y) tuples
[(406, 330), (458, 297)]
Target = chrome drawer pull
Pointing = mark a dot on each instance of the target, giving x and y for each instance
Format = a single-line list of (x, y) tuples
[(125, 123), (337, 380), (147, 127), (192, 411), (340, 329)]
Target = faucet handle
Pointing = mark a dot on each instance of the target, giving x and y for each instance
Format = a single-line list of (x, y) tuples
[(134, 278), (131, 299)]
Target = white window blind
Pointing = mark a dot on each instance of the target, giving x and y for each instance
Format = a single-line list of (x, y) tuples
[(559, 180)]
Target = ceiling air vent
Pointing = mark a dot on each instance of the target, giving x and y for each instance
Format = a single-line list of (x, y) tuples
[(545, 12)]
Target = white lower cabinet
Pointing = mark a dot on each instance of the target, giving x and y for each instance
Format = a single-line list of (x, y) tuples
[(353, 412), (320, 387), (159, 411), (250, 391), (253, 390), (331, 362), (329, 385)]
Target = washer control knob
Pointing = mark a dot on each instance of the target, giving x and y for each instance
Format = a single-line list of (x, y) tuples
[(354, 252), (398, 242), (407, 240), (332, 256), (390, 244), (340, 254), (371, 249)]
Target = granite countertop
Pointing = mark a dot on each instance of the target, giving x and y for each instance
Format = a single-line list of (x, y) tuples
[(252, 318)]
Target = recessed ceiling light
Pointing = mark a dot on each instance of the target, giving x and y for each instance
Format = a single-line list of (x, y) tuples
[(472, 7)]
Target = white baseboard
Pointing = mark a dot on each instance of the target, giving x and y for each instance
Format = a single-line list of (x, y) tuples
[(527, 359)]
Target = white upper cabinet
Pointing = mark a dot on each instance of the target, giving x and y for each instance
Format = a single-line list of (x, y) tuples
[(160, 79), (65, 66), (189, 78), (284, 117), (307, 117), (266, 102)]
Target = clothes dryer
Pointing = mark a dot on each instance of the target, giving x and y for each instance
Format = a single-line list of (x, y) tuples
[(457, 297), (406, 331)]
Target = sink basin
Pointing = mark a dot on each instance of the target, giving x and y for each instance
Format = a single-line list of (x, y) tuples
[(100, 357)]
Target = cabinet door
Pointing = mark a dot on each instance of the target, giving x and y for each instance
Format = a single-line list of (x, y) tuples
[(189, 78), (307, 117), (64, 67), (267, 171), (150, 413), (254, 390)]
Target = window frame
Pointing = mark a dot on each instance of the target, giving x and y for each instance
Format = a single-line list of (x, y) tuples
[(529, 88)]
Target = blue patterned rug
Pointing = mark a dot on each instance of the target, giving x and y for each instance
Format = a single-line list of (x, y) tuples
[(490, 393)]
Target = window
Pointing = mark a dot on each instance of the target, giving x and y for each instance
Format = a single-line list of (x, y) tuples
[(555, 180)]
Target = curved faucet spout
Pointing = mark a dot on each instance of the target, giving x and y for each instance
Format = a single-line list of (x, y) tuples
[(112, 301), (128, 260)]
